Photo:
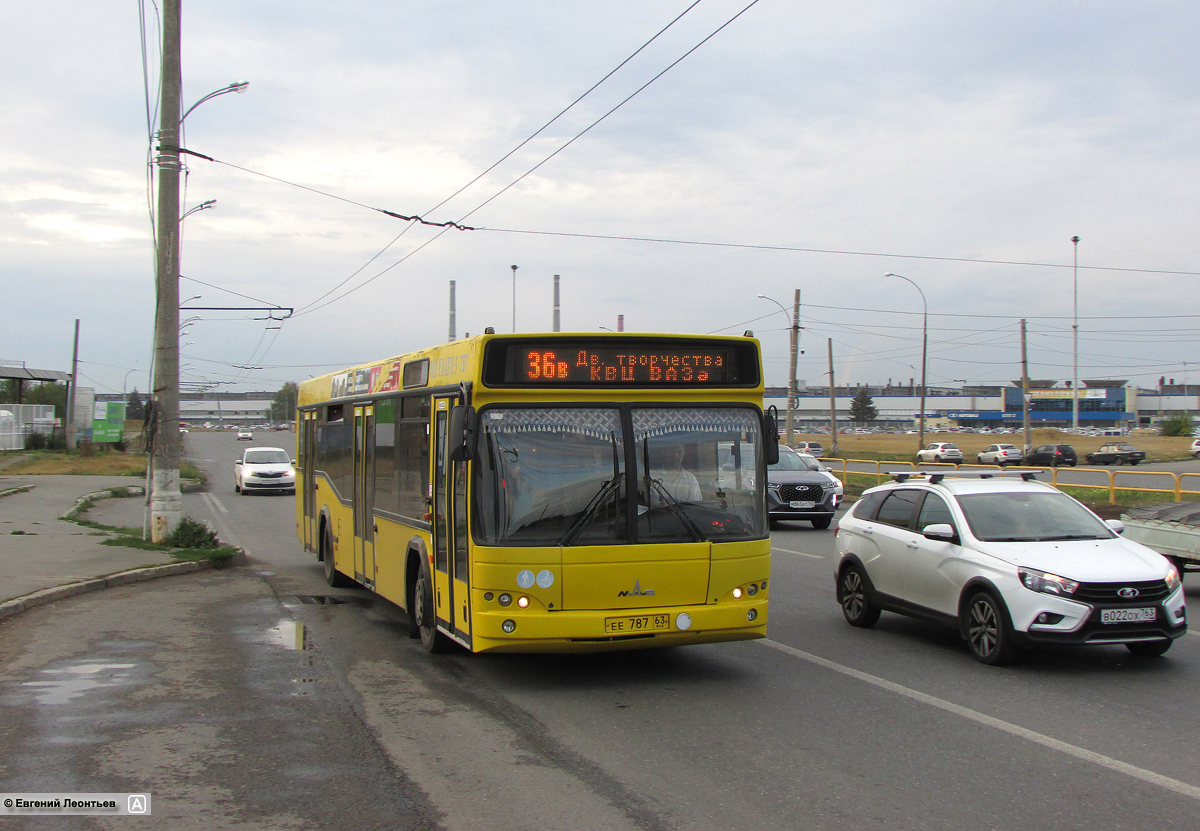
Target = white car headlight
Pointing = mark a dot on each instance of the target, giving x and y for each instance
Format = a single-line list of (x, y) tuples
[(1040, 581)]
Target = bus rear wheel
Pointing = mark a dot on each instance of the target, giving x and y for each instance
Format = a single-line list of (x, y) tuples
[(422, 613)]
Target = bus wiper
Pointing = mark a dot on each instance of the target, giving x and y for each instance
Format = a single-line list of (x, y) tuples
[(589, 513), (677, 509)]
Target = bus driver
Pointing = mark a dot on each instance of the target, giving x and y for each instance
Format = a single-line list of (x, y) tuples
[(676, 480)]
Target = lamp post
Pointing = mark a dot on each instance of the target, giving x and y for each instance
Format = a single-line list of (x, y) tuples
[(514, 269), (1075, 338), (166, 500), (924, 353), (795, 342)]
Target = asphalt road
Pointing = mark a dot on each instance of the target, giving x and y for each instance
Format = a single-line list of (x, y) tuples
[(821, 726)]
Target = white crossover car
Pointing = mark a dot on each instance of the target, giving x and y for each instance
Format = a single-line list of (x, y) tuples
[(1006, 560), (264, 469)]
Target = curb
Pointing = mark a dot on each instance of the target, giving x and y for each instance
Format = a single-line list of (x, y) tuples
[(17, 605)]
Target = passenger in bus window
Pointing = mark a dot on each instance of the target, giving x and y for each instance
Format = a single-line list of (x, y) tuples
[(675, 478)]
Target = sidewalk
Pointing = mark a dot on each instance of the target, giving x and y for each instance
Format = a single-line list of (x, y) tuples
[(44, 557)]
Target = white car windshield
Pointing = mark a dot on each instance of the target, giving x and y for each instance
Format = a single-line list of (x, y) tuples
[(266, 457), (1030, 517)]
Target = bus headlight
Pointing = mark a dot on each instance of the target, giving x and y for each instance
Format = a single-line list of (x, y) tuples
[(505, 599), (523, 602), (509, 626), (737, 593)]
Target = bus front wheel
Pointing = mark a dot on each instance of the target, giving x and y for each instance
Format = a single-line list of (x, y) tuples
[(423, 615), (333, 577)]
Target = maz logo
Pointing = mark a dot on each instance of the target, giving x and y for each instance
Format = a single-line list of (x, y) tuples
[(637, 591), (1128, 594)]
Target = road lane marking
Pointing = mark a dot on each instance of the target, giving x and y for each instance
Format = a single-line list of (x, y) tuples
[(224, 532), (799, 553), (216, 503), (1148, 776)]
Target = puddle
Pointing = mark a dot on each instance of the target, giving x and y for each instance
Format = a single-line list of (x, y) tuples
[(332, 599), (73, 681), (290, 635)]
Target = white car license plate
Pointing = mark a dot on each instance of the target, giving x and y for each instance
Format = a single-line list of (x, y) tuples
[(802, 504), (1128, 615)]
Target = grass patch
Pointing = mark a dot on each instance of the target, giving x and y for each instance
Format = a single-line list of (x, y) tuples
[(98, 463), (192, 540)]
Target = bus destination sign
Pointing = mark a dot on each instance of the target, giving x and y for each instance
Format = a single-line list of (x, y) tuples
[(618, 364)]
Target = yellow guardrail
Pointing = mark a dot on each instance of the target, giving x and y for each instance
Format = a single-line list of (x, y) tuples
[(1175, 489)]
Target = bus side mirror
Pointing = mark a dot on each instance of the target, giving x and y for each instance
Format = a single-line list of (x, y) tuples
[(771, 435), (461, 439)]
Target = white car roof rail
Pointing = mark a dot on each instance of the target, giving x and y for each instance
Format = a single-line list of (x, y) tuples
[(935, 476)]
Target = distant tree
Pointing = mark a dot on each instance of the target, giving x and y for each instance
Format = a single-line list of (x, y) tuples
[(48, 392), (135, 407), (283, 408), (862, 408), (1179, 424)]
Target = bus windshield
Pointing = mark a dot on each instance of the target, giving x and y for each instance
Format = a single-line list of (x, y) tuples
[(561, 475)]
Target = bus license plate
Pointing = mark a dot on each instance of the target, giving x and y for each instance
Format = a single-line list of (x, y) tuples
[(1128, 615), (803, 504), (641, 623)]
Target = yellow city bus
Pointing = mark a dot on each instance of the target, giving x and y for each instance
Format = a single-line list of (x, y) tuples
[(547, 492)]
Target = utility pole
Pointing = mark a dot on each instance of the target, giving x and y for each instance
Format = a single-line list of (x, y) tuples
[(832, 405), (791, 403), (556, 321), (1075, 338), (452, 325), (166, 500), (1025, 391)]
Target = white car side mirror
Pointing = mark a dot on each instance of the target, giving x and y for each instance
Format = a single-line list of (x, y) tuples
[(1115, 525), (939, 531)]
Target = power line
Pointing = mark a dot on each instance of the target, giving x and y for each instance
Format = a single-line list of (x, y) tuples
[(797, 249)]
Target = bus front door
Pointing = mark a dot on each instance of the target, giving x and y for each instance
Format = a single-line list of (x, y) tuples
[(364, 495), (307, 441), (451, 568)]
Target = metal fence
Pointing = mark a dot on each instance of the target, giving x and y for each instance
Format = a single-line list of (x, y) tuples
[(17, 421)]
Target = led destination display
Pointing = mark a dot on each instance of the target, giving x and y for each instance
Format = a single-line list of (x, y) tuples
[(616, 363)]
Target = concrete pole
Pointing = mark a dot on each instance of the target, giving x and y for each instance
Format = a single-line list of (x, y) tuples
[(832, 405), (514, 269), (1025, 392), (166, 501), (70, 425), (791, 402), (1075, 338), (556, 322), (453, 327)]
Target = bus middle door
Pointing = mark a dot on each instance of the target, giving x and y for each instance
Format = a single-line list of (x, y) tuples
[(451, 567), (364, 495)]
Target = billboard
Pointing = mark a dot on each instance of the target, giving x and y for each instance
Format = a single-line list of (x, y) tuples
[(108, 421)]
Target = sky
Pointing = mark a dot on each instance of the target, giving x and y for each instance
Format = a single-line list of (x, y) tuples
[(748, 148)]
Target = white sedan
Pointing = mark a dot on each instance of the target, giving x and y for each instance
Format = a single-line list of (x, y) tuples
[(264, 469)]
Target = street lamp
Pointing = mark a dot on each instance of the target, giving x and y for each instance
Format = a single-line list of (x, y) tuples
[(237, 86), (924, 353), (514, 268), (794, 330), (1075, 338)]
